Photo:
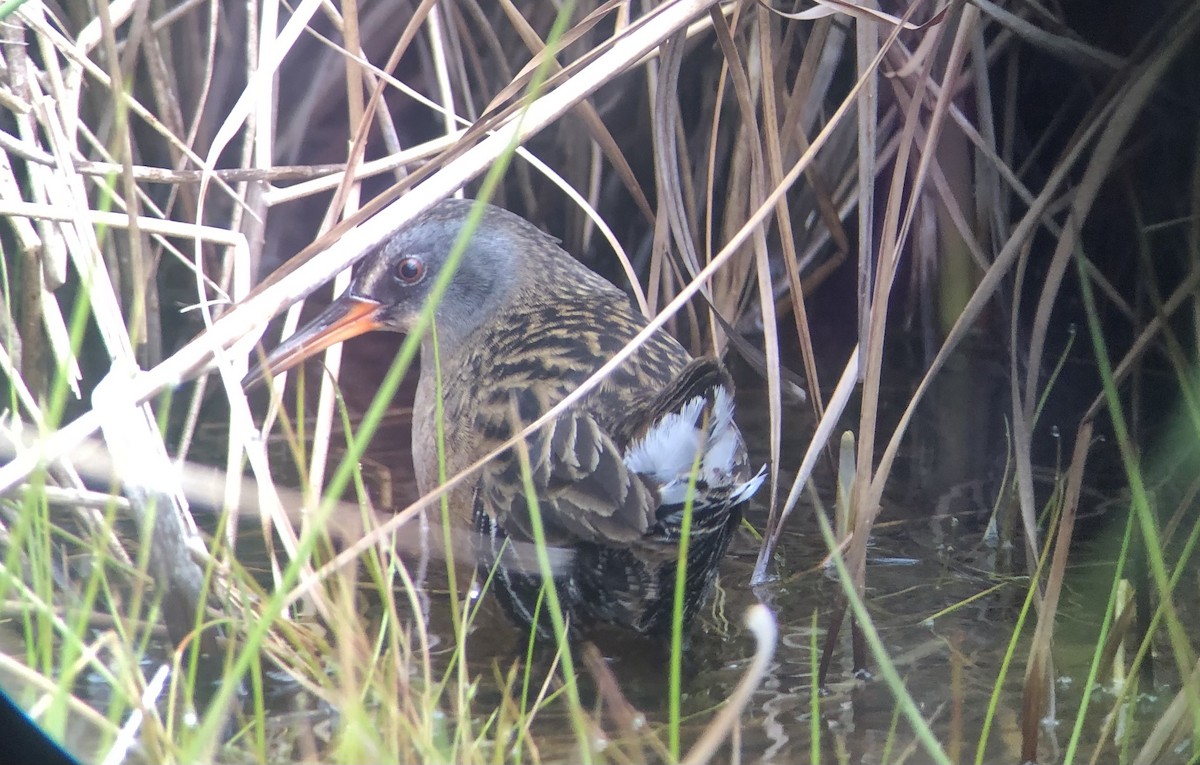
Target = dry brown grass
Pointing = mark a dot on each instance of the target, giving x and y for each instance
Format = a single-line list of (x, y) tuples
[(724, 159)]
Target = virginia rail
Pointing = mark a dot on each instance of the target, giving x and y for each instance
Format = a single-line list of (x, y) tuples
[(521, 326)]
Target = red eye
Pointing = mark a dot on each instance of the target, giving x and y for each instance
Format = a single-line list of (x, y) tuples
[(410, 270)]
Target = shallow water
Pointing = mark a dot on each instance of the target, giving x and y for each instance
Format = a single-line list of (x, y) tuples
[(944, 601)]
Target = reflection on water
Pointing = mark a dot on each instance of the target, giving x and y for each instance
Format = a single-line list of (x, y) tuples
[(944, 599), (942, 604)]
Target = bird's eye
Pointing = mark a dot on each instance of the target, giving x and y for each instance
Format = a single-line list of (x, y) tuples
[(410, 270)]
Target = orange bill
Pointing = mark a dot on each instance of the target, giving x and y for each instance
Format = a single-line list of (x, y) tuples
[(345, 318)]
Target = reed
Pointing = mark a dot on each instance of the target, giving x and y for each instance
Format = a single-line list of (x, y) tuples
[(175, 177)]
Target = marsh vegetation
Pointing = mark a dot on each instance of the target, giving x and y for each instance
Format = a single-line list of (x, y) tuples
[(970, 231)]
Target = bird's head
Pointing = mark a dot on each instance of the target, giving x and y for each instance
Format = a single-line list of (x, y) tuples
[(394, 283)]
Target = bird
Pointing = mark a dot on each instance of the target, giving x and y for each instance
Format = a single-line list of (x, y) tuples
[(520, 326)]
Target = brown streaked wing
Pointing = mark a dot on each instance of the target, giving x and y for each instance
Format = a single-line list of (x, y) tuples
[(584, 490)]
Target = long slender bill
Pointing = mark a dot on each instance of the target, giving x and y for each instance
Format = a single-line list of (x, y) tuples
[(346, 317)]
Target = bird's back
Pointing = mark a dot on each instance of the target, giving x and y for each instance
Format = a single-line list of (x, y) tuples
[(540, 350)]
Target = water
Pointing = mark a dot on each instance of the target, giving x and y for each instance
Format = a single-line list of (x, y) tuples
[(943, 593)]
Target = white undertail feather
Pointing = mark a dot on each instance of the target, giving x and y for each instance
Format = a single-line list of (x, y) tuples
[(746, 490), (668, 451), (669, 447)]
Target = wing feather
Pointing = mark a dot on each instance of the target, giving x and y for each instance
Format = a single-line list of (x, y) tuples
[(584, 490)]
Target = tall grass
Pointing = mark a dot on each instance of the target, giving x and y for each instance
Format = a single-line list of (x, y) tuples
[(736, 160)]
